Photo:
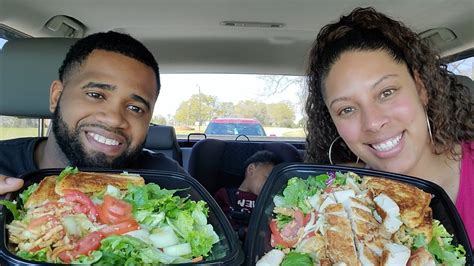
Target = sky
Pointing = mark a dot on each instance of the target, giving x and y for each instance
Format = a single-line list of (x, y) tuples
[(176, 88)]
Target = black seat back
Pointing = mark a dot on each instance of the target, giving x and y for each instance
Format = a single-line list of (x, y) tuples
[(163, 139), (218, 163)]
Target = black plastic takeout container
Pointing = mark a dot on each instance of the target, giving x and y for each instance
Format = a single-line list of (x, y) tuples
[(258, 238), (226, 252)]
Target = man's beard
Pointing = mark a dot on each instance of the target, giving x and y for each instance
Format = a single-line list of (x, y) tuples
[(71, 146)]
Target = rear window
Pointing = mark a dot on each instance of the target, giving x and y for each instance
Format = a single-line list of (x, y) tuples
[(463, 67), (199, 103)]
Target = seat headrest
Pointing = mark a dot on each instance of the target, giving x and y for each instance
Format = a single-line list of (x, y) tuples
[(160, 138), (27, 68)]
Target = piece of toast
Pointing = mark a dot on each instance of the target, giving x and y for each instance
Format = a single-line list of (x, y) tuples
[(44, 192), (90, 182), (412, 201)]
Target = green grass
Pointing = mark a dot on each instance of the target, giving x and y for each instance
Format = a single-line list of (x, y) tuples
[(12, 132), (9, 133), (299, 133)]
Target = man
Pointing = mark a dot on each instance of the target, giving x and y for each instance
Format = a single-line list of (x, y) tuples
[(102, 105)]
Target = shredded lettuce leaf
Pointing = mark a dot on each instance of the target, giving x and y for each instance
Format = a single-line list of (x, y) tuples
[(419, 241), (298, 190), (27, 193), (39, 255), (127, 250), (295, 194), (295, 258), (442, 249), (151, 204), (282, 220), (340, 179), (67, 171), (11, 206), (87, 260), (120, 250)]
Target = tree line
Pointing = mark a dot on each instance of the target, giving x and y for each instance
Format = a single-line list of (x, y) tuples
[(200, 108), (14, 122)]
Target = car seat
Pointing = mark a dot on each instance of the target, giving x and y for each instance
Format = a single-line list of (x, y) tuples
[(162, 139), (218, 163)]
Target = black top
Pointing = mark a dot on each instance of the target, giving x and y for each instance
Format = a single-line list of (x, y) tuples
[(17, 158)]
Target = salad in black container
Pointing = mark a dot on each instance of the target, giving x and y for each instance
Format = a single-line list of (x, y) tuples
[(312, 214), (157, 218)]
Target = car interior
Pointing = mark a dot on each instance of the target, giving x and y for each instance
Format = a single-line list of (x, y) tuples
[(264, 37)]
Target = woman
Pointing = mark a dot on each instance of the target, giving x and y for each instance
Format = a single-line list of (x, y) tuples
[(379, 94)]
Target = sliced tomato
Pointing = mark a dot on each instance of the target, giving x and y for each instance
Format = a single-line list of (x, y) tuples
[(35, 249), (113, 210), (65, 256), (42, 220), (89, 243), (299, 218), (84, 203), (279, 240), (309, 235), (84, 246), (307, 217), (120, 228)]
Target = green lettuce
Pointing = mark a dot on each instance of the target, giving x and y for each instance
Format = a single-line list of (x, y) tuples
[(27, 193), (442, 249), (67, 171), (298, 190), (187, 218), (121, 250), (83, 259), (340, 179), (295, 194), (11, 206), (127, 250), (419, 241), (295, 258), (282, 220), (39, 255)]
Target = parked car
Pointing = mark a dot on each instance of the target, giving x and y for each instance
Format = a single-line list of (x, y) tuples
[(235, 126)]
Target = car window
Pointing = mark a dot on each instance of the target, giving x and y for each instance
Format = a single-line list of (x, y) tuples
[(275, 102), (463, 67), (13, 127)]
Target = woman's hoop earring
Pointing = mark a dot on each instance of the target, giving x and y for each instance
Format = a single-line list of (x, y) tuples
[(429, 128), (330, 150)]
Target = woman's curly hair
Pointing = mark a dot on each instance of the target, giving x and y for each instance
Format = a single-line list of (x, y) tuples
[(449, 106)]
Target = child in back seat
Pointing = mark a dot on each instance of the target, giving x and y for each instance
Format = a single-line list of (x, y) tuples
[(238, 203)]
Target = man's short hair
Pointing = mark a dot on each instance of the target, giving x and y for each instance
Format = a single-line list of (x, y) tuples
[(112, 42), (262, 157)]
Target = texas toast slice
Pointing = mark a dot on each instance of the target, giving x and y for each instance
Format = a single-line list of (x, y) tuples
[(44, 192), (90, 182), (412, 201)]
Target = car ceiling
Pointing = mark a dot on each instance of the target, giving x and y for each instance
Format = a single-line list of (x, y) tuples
[(187, 36)]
